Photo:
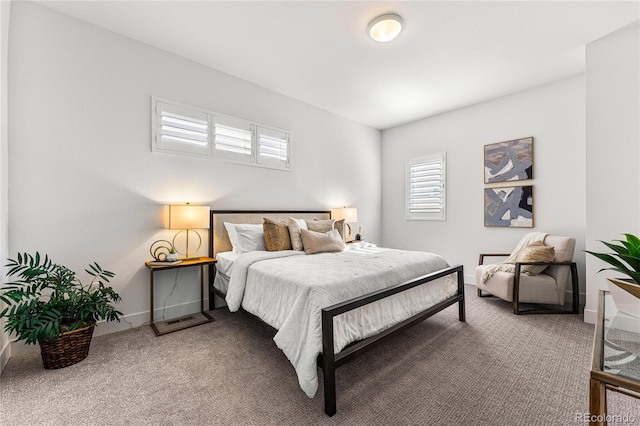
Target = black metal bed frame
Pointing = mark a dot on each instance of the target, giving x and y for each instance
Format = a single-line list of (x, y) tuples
[(333, 361), (330, 363)]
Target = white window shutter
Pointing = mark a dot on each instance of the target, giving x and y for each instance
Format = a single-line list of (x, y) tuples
[(273, 147), (233, 139), (425, 197), (181, 130), (185, 130)]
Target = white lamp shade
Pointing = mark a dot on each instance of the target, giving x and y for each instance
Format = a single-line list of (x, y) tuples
[(349, 215), (188, 217)]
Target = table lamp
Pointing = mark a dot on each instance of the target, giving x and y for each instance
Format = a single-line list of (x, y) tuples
[(188, 218), (349, 215)]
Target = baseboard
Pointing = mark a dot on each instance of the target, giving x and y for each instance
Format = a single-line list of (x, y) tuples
[(582, 300), (142, 318), (590, 316), (20, 348), (127, 322), (5, 354)]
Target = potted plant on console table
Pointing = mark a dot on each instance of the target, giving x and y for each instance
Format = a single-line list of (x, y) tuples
[(48, 304), (626, 260)]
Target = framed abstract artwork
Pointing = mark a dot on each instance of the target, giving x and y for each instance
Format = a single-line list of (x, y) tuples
[(510, 207), (508, 161)]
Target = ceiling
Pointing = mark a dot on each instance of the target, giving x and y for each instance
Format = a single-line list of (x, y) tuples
[(449, 55)]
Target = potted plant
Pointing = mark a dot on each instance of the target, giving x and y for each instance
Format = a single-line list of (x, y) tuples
[(172, 256), (48, 304), (625, 259)]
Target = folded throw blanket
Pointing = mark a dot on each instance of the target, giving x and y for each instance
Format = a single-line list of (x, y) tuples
[(509, 265)]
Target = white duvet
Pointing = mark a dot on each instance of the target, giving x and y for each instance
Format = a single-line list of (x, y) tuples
[(288, 289)]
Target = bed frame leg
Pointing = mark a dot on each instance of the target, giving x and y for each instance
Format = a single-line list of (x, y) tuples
[(328, 364), (330, 393), (461, 309)]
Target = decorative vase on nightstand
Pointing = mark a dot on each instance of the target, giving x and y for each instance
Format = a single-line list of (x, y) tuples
[(626, 296), (172, 256)]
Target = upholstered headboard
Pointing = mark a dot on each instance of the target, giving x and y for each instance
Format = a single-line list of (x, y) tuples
[(219, 239)]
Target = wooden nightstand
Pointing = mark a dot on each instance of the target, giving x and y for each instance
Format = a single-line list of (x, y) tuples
[(180, 323)]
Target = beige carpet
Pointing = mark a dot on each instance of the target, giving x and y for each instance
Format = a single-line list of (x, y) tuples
[(496, 369)]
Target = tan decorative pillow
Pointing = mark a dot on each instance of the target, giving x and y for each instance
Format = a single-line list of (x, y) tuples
[(320, 225), (321, 242), (535, 252), (326, 225), (295, 225), (276, 235)]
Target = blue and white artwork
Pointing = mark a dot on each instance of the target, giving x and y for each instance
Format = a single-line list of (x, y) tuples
[(509, 207), (508, 161)]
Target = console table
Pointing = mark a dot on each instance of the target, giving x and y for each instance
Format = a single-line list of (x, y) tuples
[(181, 323), (615, 334)]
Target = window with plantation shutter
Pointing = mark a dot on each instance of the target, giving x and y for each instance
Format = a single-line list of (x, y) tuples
[(233, 139), (426, 188), (181, 130), (273, 147), (186, 130)]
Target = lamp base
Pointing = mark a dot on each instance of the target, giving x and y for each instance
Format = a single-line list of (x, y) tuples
[(188, 254)]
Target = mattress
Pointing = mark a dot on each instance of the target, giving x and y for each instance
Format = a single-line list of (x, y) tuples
[(225, 261)]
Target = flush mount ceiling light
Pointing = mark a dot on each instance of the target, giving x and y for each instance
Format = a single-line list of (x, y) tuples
[(385, 27)]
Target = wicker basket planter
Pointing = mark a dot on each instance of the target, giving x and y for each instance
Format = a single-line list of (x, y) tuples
[(45, 297), (68, 349)]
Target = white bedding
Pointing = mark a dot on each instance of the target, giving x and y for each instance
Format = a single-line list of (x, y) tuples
[(288, 289), (225, 261), (226, 258)]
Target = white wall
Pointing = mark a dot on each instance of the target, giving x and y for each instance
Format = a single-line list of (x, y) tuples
[(5, 9), (85, 186), (613, 148), (553, 114)]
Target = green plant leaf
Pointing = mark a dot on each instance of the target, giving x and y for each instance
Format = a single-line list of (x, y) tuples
[(608, 259), (619, 249), (632, 244), (632, 239), (45, 296), (633, 261), (626, 256)]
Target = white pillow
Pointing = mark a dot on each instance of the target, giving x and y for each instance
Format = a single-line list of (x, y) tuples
[(233, 236), (245, 237), (295, 225), (251, 237)]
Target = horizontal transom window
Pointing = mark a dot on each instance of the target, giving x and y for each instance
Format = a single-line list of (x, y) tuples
[(185, 130)]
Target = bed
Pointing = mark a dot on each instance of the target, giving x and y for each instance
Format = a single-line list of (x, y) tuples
[(328, 308)]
